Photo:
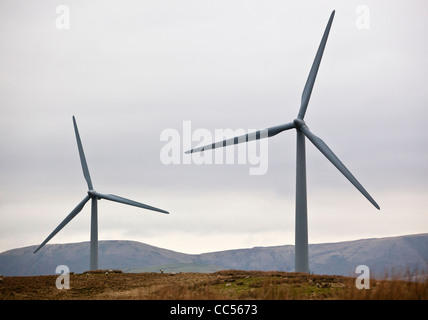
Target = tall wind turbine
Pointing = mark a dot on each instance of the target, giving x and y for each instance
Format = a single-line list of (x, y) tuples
[(94, 196), (301, 230)]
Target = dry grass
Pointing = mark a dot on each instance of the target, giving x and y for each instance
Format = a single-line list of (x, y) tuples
[(222, 285)]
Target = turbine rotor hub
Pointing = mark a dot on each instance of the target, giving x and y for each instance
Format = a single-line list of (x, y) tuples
[(93, 194), (299, 123)]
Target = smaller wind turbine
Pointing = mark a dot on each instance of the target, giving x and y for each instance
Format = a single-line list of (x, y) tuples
[(95, 196)]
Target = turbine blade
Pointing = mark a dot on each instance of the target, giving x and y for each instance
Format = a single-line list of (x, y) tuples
[(82, 157), (112, 197), (326, 151), (260, 134), (72, 214), (314, 70)]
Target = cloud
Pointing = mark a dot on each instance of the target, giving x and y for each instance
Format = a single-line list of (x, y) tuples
[(129, 70)]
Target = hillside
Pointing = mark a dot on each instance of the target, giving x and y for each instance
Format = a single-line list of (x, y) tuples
[(381, 255)]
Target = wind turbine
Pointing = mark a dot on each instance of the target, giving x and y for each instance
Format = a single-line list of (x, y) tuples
[(301, 228), (94, 196)]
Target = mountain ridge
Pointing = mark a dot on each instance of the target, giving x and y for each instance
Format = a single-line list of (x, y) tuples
[(383, 256)]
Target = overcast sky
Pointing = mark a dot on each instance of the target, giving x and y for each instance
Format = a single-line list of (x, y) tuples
[(132, 71)]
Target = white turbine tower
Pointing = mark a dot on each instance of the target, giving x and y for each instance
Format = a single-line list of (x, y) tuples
[(95, 196), (301, 230)]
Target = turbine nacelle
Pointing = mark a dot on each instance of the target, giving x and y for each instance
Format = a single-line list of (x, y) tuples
[(299, 123), (93, 194)]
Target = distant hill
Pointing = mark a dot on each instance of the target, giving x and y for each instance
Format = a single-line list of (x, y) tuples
[(381, 255)]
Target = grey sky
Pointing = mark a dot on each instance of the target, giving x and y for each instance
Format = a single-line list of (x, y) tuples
[(129, 70)]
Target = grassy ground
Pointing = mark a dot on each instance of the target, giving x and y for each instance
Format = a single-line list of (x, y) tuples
[(231, 284)]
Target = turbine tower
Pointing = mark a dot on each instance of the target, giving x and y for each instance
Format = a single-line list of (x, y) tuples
[(94, 196), (301, 228)]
